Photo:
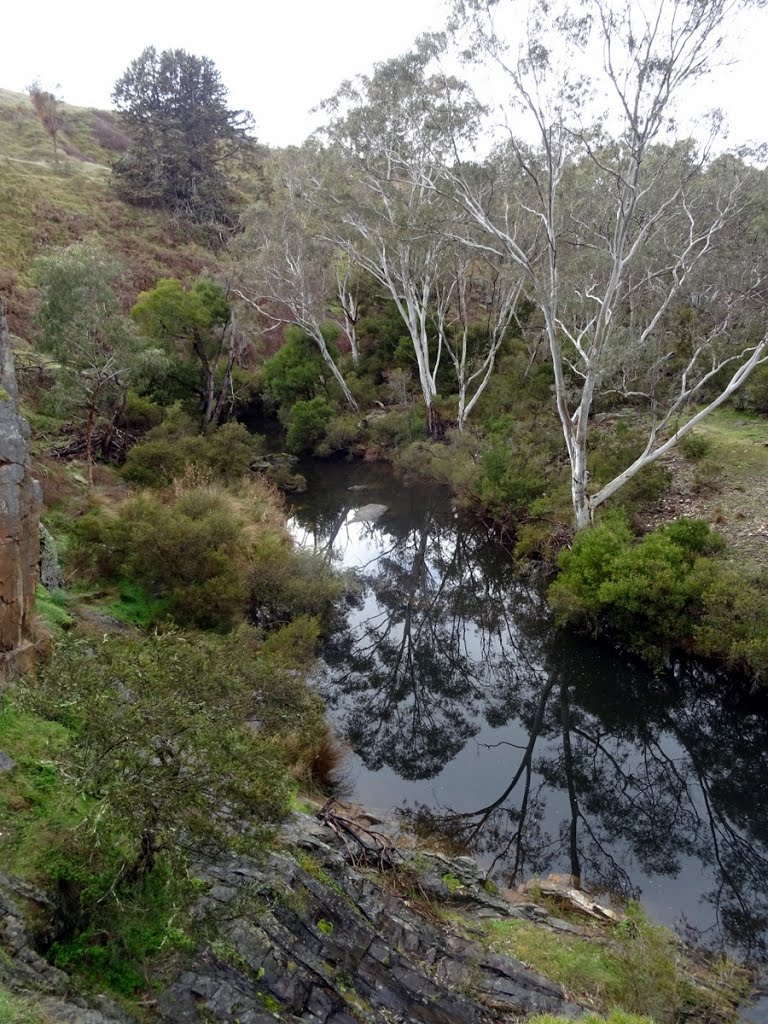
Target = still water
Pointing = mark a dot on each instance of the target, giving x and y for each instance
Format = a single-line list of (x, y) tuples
[(543, 751)]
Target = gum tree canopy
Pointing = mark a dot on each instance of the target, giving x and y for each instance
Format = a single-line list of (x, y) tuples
[(644, 256), (185, 136)]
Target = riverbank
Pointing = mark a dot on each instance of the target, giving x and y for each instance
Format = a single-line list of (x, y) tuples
[(342, 924)]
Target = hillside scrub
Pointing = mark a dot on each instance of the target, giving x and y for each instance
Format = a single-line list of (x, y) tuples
[(135, 754), (202, 553)]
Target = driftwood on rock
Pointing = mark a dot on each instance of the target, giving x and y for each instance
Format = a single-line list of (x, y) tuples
[(569, 896), (362, 843)]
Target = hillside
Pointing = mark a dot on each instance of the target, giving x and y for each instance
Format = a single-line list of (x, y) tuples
[(43, 204)]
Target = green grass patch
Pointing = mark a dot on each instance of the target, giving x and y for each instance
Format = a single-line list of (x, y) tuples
[(37, 802), (135, 606), (52, 608), (616, 1017), (15, 1010), (635, 968)]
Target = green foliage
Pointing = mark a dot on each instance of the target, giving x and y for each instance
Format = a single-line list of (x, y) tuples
[(293, 645), (140, 413), (52, 608), (510, 480), (695, 446), (171, 312), (396, 428), (37, 802), (78, 311), (307, 422), (649, 591), (342, 433), (286, 583), (295, 372), (135, 606), (633, 971), (733, 624), (184, 136), (190, 554), (222, 453), (753, 396), (116, 943), (160, 743)]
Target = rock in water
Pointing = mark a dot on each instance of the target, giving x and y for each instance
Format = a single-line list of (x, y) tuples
[(369, 513), (20, 503)]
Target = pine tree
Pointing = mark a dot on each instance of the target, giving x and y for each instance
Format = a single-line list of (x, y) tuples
[(185, 136)]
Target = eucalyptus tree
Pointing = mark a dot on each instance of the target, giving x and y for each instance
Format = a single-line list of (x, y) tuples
[(290, 274), (379, 185), (639, 254)]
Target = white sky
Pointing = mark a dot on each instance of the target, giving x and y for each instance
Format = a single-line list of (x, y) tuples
[(279, 58)]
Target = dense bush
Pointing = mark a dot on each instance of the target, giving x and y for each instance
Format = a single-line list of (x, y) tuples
[(222, 453), (285, 583), (297, 371), (156, 749), (203, 555), (650, 591), (307, 423), (191, 552)]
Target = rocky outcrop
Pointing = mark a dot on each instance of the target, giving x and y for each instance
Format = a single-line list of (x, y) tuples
[(319, 939), (20, 504), (25, 972)]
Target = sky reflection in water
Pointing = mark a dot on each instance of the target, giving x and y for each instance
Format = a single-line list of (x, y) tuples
[(544, 751)]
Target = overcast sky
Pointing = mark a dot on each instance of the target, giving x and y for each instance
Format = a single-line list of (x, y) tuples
[(279, 58)]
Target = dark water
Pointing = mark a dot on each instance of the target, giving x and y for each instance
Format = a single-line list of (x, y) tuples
[(545, 751)]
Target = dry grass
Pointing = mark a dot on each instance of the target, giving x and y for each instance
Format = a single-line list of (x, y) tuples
[(733, 496)]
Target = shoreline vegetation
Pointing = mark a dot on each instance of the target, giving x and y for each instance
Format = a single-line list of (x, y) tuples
[(171, 728)]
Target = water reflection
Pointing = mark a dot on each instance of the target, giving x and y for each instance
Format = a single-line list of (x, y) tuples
[(541, 751)]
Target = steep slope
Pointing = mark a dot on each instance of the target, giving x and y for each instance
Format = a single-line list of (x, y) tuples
[(43, 203)]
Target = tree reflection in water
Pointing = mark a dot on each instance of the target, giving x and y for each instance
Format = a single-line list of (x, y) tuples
[(615, 775)]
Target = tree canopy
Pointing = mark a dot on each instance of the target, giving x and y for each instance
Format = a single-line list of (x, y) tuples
[(184, 136)]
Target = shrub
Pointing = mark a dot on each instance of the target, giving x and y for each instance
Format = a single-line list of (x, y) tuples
[(397, 428), (307, 423), (649, 591), (342, 432), (191, 553), (286, 583), (695, 446), (510, 480), (140, 413), (733, 624), (222, 453), (753, 396)]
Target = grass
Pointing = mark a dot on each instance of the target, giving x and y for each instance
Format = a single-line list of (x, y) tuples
[(615, 1017), (732, 489), (36, 800), (635, 967), (52, 609), (135, 606), (15, 1010)]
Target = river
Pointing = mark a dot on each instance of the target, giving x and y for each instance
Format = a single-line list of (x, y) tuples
[(543, 751)]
